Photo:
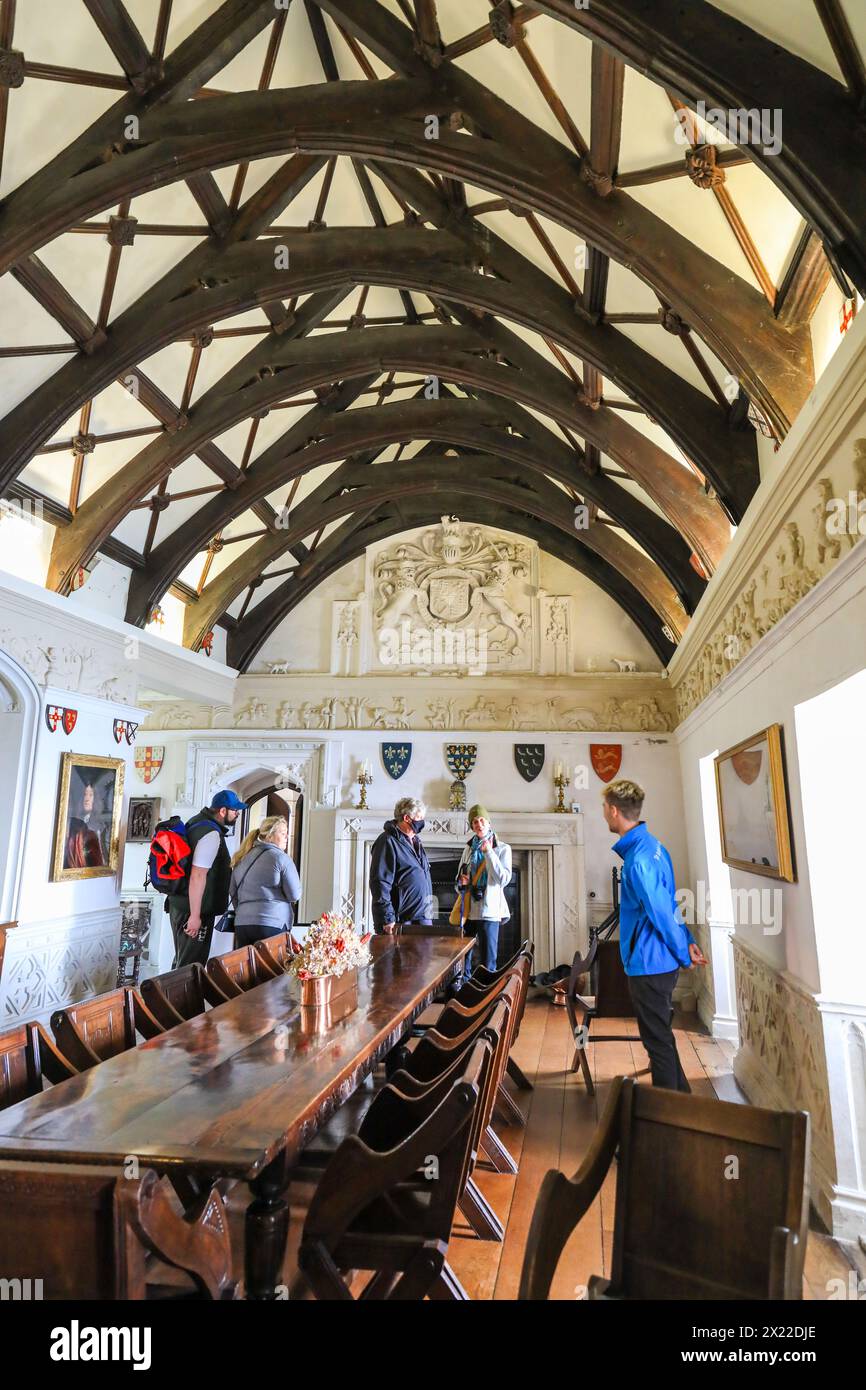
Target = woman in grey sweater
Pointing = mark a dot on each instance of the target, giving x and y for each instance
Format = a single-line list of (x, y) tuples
[(265, 883)]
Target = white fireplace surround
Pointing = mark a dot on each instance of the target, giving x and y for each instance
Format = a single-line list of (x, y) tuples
[(555, 882)]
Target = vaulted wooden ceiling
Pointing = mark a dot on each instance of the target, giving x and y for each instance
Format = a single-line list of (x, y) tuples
[(281, 278)]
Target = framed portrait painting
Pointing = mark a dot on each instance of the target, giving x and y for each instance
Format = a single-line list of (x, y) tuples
[(88, 817), (753, 806), (141, 819)]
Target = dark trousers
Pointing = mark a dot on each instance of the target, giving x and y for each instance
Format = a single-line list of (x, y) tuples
[(249, 935), (652, 996), (486, 948), (188, 949)]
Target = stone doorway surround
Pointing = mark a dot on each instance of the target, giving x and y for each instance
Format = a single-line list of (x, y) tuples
[(555, 879)]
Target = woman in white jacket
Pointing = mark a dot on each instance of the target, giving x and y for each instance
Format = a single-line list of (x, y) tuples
[(484, 872)]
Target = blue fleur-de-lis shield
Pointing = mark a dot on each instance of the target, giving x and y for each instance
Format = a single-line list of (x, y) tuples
[(529, 760), (396, 757)]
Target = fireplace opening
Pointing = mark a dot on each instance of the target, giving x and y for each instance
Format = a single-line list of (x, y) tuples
[(443, 872)]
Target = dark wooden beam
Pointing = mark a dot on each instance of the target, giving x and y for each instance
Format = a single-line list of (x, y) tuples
[(474, 424), (245, 275), (805, 280), (120, 33), (378, 524), (382, 119), (352, 489), (844, 45)]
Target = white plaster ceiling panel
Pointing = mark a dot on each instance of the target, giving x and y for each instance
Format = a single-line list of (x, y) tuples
[(794, 25)]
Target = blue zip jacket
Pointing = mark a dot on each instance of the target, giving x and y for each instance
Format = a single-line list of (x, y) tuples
[(653, 938)]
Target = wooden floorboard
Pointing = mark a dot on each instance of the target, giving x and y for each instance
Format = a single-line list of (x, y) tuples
[(560, 1121)]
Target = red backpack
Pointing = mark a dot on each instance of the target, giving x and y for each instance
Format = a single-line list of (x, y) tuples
[(170, 856)]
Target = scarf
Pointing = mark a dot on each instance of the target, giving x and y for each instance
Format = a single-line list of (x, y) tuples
[(476, 861)]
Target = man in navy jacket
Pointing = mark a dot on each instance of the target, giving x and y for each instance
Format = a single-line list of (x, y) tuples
[(654, 942), (400, 884)]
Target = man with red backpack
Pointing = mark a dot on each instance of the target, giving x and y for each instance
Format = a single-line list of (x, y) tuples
[(204, 894)]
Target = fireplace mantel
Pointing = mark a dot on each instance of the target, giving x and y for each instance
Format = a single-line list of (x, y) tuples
[(556, 880)]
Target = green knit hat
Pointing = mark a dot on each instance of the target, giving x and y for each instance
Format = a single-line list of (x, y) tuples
[(477, 813)]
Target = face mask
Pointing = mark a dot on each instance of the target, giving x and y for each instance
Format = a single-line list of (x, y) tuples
[(417, 825)]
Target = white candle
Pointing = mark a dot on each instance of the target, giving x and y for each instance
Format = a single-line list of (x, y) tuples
[(557, 770)]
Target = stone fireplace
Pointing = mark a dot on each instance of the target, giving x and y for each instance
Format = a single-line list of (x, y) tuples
[(547, 848)]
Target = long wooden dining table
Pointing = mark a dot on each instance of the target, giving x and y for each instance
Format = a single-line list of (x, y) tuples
[(240, 1090)]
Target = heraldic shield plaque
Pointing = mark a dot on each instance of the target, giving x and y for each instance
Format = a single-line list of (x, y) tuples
[(606, 759), (529, 760), (460, 758), (396, 757)]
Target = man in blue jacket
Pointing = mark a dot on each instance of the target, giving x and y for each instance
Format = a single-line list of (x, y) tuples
[(400, 884), (654, 941)]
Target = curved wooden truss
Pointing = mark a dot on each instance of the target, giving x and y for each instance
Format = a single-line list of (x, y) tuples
[(290, 367), (491, 299), (354, 536), (211, 288), (385, 121)]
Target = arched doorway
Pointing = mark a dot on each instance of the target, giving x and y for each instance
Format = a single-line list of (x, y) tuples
[(280, 799), (20, 703)]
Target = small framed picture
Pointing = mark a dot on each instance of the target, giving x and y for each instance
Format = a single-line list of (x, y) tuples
[(135, 922), (87, 827), (141, 819), (753, 806)]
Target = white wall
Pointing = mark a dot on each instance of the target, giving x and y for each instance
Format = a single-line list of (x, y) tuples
[(818, 645), (650, 759)]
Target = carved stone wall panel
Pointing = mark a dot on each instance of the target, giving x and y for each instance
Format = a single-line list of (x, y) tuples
[(823, 521), (454, 595), (781, 1062), (593, 702), (53, 964)]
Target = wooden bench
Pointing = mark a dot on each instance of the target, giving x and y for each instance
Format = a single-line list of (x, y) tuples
[(91, 1032), (237, 971), (181, 994), (91, 1233), (27, 1054), (711, 1200)]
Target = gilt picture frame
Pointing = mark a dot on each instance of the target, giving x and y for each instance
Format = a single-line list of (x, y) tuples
[(87, 826), (754, 818)]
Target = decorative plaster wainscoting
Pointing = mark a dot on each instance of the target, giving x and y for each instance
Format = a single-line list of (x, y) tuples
[(48, 965), (556, 882), (800, 1052)]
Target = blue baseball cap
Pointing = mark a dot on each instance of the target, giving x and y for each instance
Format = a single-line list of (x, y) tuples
[(230, 800)]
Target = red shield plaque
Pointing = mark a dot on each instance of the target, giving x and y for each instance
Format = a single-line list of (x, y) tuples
[(69, 719), (605, 759), (148, 761), (747, 764)]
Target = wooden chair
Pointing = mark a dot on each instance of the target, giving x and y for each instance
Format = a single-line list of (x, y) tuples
[(91, 1032), (436, 1057), (237, 971), (79, 1232), (275, 952), (687, 1223), (180, 994), (608, 996), (27, 1054), (475, 992), (433, 1059), (379, 1207), (453, 1022)]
